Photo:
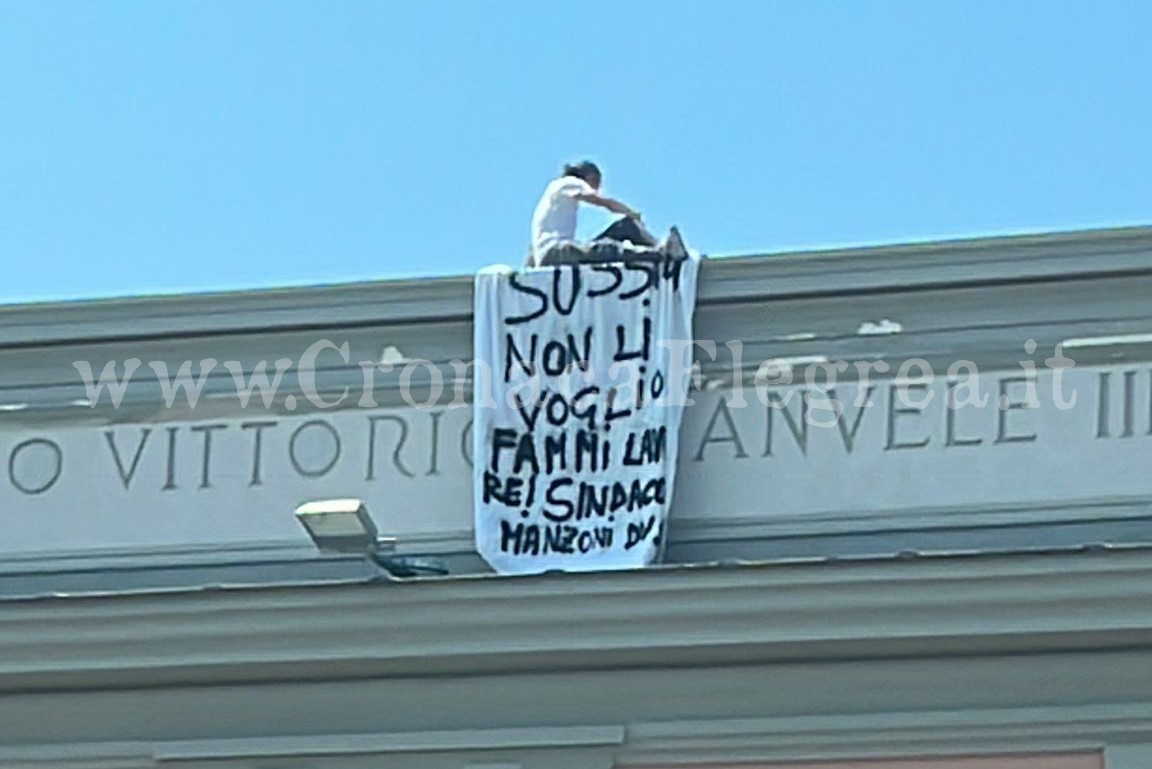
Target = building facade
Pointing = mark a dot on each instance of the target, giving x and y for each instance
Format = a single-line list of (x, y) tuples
[(912, 530)]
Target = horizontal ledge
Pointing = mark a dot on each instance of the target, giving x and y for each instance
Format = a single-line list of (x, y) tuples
[(1040, 730), (1093, 253), (636, 655), (1084, 718), (938, 606)]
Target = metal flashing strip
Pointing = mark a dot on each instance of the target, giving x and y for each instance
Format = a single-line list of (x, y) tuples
[(833, 560)]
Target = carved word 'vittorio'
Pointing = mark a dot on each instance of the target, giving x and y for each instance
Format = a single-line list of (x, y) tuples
[(398, 446)]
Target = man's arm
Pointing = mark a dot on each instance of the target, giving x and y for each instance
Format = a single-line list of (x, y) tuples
[(613, 205)]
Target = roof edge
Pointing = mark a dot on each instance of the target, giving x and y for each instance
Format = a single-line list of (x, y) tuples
[(1031, 257)]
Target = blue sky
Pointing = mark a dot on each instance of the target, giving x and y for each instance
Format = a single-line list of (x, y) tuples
[(166, 146)]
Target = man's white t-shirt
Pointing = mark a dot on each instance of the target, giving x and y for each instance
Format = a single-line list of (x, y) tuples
[(555, 218)]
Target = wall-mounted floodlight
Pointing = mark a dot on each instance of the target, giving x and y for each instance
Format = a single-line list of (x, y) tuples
[(344, 526)]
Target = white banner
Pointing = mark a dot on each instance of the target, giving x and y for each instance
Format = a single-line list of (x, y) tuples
[(580, 380)]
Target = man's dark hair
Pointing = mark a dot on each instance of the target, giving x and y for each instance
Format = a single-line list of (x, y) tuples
[(585, 169)]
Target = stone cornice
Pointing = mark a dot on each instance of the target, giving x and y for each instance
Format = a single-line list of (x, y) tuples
[(827, 272), (923, 607)]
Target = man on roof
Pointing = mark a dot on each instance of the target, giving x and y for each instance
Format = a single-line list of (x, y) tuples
[(554, 221)]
